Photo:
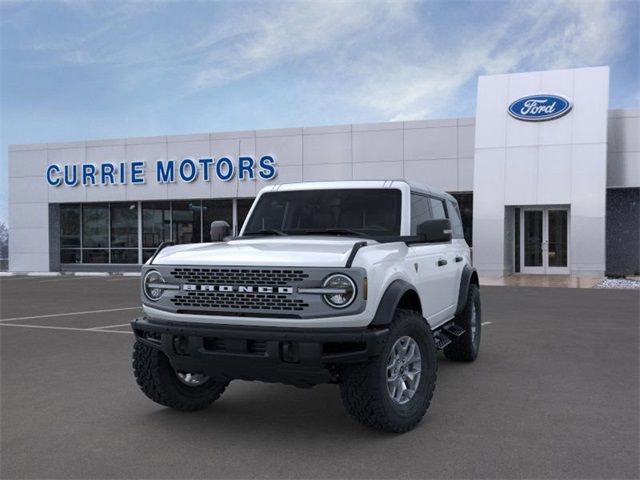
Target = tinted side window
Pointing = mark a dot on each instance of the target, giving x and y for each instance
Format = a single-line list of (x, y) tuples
[(420, 211), (456, 222), (437, 208)]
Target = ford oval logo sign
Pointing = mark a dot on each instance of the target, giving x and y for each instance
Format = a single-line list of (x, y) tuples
[(537, 108)]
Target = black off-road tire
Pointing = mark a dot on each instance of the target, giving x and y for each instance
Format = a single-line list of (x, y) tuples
[(363, 387), (466, 347), (159, 381)]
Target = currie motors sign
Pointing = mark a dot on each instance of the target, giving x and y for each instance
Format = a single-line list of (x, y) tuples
[(186, 170), (538, 108)]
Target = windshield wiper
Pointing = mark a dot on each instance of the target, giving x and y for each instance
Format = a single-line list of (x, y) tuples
[(337, 231), (268, 231)]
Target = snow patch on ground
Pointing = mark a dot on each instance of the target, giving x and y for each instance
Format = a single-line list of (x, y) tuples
[(618, 283)]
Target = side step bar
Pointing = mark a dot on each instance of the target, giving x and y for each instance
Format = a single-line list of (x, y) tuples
[(442, 336), (453, 329)]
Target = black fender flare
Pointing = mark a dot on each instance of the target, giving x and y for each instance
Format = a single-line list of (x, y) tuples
[(389, 302), (469, 276)]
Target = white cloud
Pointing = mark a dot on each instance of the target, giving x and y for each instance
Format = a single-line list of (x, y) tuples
[(526, 36)]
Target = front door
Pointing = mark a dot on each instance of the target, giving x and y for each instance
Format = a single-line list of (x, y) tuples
[(544, 240)]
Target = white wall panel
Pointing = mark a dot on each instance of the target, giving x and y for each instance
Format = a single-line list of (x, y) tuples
[(431, 143), (27, 163), (378, 170), (624, 134), (28, 215), (591, 103), (319, 173), (623, 169), (27, 262), (327, 148), (378, 146), (465, 174), (27, 190), (287, 149), (491, 104), (466, 141), (554, 175), (442, 174), (521, 174)]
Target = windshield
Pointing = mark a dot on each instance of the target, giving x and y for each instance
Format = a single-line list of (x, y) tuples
[(359, 212)]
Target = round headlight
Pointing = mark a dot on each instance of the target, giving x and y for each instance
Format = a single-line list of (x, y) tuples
[(150, 285), (344, 290)]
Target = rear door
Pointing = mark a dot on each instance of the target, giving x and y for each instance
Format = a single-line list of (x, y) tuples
[(434, 268)]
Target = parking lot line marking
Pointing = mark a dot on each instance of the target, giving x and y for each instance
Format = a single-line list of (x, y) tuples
[(486, 323), (50, 327), (70, 313), (69, 279), (111, 326)]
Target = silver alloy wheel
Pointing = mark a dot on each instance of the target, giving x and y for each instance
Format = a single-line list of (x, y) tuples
[(403, 370), (192, 379)]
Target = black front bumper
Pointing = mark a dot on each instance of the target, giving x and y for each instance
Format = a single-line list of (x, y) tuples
[(300, 357)]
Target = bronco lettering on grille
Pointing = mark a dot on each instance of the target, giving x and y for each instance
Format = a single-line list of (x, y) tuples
[(237, 288)]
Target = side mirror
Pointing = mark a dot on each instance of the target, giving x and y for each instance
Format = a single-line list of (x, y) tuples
[(435, 230), (219, 230)]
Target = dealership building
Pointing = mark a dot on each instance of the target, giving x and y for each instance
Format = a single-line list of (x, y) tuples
[(546, 175)]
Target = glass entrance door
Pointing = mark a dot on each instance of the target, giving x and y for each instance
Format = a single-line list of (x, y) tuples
[(544, 240)]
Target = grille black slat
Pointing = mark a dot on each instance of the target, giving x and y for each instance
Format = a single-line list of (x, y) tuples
[(226, 276)]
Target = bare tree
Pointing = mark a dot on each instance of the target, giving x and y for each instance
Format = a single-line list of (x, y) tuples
[(4, 241)]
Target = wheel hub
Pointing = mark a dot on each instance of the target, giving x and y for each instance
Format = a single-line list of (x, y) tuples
[(404, 365), (192, 379)]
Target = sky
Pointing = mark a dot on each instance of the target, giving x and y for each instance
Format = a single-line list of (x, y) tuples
[(78, 70)]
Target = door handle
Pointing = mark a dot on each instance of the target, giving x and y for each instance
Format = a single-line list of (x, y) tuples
[(459, 259), (442, 262)]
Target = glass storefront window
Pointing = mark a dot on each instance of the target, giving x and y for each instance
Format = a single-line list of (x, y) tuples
[(156, 223), (95, 226), (124, 255), (104, 233), (186, 221), (215, 210), (70, 226), (124, 225), (244, 205)]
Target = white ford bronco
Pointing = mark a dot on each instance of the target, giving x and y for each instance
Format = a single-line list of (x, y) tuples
[(356, 283)]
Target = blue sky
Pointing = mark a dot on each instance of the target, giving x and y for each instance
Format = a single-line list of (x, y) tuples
[(75, 70)]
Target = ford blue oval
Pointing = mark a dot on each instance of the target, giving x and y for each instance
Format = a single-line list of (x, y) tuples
[(537, 108)]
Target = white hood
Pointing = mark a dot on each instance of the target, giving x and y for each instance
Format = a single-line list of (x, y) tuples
[(310, 251)]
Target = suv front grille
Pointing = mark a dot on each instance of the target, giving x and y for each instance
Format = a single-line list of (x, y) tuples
[(239, 301), (229, 276)]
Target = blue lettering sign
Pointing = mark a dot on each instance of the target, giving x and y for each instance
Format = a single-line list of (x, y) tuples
[(137, 173), (206, 168), (71, 175), (106, 173), (267, 168), (165, 174), (51, 180), (224, 169), (246, 168), (166, 171), (188, 175)]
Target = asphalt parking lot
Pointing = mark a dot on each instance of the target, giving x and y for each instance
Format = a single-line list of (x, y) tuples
[(554, 394)]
